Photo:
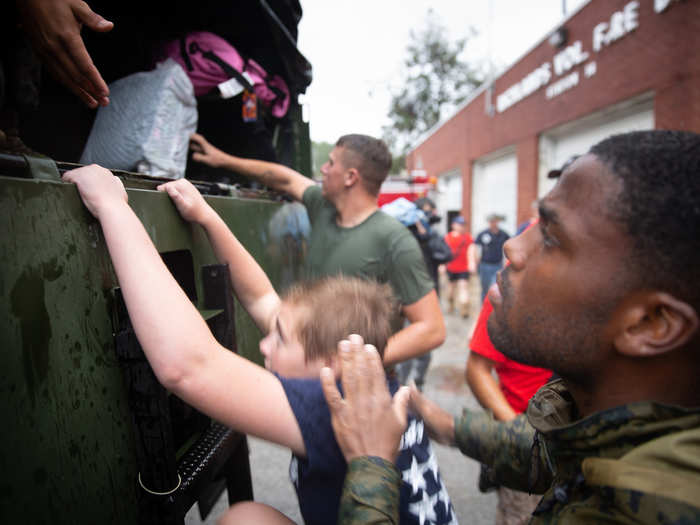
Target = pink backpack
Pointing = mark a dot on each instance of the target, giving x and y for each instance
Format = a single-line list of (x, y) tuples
[(209, 60)]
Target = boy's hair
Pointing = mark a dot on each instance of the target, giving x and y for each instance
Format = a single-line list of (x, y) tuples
[(334, 307), (370, 156)]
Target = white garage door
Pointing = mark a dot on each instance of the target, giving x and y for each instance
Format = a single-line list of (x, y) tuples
[(576, 138), (449, 196), (494, 190)]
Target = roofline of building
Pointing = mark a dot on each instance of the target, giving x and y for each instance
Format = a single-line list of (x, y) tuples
[(488, 83)]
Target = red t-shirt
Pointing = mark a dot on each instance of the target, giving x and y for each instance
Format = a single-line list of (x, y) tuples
[(458, 243), (518, 382)]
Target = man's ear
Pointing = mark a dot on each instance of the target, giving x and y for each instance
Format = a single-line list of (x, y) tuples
[(352, 177), (656, 324)]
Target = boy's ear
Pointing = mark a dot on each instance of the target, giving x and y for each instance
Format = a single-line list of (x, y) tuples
[(655, 324)]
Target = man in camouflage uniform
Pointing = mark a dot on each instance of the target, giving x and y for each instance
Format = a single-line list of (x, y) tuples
[(606, 293)]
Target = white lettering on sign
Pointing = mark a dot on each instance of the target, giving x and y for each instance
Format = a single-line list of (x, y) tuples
[(661, 5), (562, 85), (527, 86), (590, 69), (569, 57), (621, 23)]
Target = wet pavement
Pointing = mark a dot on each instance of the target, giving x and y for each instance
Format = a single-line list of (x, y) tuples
[(445, 384)]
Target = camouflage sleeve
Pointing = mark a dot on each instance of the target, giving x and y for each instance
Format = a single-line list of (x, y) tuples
[(371, 493), (508, 447)]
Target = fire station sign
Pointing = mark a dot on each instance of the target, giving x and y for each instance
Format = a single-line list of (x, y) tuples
[(574, 63)]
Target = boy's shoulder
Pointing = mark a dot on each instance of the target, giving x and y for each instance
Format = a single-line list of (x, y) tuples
[(306, 393), (303, 390)]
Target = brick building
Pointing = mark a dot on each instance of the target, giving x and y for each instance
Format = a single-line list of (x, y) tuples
[(610, 67)]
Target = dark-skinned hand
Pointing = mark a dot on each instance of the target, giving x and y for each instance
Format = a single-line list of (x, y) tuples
[(53, 27)]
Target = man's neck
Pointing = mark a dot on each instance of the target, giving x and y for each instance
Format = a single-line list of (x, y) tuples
[(638, 381), (354, 209)]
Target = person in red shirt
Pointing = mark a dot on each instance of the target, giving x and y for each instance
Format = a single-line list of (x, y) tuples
[(461, 244), (509, 395)]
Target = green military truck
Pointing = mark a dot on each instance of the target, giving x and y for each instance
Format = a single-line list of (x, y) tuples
[(89, 435)]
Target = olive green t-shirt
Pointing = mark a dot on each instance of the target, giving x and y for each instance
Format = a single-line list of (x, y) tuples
[(380, 248)]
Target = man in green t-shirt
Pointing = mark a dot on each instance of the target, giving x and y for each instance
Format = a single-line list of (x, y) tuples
[(350, 235)]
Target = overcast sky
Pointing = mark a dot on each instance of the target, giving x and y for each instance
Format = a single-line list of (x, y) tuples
[(357, 49)]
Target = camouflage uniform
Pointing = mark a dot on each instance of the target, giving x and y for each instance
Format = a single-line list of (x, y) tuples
[(371, 492), (636, 463)]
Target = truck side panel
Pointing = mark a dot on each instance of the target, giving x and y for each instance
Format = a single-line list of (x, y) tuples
[(67, 449)]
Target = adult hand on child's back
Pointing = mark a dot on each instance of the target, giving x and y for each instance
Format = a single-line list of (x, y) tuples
[(440, 424), (367, 422), (187, 199), (98, 188)]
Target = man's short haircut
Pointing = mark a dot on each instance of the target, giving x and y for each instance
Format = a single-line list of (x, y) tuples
[(659, 206), (332, 308), (371, 158)]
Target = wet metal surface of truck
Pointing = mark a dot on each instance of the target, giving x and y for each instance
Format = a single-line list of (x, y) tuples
[(89, 436), (71, 385)]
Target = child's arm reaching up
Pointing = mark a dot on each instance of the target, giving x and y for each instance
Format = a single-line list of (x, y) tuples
[(250, 284), (179, 346)]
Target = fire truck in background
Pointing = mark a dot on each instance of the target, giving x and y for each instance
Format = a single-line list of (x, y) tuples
[(414, 186)]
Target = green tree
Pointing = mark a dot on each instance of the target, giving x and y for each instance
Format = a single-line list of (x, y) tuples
[(319, 155), (434, 82), (398, 163)]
